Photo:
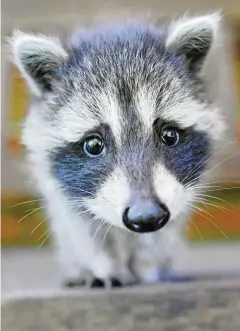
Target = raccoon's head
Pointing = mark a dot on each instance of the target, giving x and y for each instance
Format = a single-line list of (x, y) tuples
[(121, 119)]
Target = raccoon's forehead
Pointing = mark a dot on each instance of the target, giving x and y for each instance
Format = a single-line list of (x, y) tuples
[(111, 79)]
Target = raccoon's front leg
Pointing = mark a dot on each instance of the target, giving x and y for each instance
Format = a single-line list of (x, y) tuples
[(150, 260), (85, 277), (90, 258), (155, 255), (110, 267)]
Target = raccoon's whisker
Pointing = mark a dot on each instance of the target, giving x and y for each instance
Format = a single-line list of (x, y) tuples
[(91, 221), (224, 188), (33, 211), (74, 198), (77, 188), (192, 171), (119, 234), (223, 233), (82, 212), (98, 228), (210, 185), (81, 190), (219, 182), (201, 185), (26, 211), (215, 188), (200, 188), (24, 202), (217, 165), (211, 197), (187, 217), (44, 240), (105, 235), (200, 209), (87, 211), (116, 232), (76, 203), (196, 228), (205, 160), (205, 197), (44, 234), (206, 203), (223, 208), (38, 225)]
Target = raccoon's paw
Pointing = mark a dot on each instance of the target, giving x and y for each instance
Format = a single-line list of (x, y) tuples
[(71, 283), (106, 283), (94, 282), (79, 278), (101, 277), (110, 272)]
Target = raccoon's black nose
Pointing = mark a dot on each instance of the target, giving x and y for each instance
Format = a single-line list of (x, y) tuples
[(145, 215)]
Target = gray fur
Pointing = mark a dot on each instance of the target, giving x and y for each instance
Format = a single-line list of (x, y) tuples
[(123, 84)]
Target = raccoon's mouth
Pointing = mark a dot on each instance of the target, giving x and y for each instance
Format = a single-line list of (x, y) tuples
[(145, 215)]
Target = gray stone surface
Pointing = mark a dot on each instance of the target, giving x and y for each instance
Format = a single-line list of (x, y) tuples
[(185, 307)]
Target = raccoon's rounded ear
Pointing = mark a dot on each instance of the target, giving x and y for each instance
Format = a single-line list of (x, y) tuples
[(38, 57), (193, 37)]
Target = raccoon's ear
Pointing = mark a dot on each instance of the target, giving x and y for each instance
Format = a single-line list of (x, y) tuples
[(38, 58), (193, 37)]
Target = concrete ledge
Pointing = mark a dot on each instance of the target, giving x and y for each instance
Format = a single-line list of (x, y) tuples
[(186, 307)]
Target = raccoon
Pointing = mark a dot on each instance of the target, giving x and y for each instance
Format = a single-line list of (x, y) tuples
[(119, 133)]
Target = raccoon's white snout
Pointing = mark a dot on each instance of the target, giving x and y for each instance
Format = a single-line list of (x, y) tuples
[(145, 215)]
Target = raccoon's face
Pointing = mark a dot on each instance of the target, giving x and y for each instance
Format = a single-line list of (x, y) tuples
[(121, 119)]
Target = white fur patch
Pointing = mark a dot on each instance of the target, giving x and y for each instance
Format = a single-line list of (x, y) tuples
[(111, 199), (71, 123), (146, 107), (110, 112), (77, 117), (38, 135), (170, 191), (189, 113)]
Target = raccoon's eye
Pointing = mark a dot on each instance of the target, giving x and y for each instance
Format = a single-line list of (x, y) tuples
[(93, 145), (170, 136)]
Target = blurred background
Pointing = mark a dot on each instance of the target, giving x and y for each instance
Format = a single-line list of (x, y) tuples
[(23, 224)]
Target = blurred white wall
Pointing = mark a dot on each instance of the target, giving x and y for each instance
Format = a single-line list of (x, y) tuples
[(34, 12), (47, 15)]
